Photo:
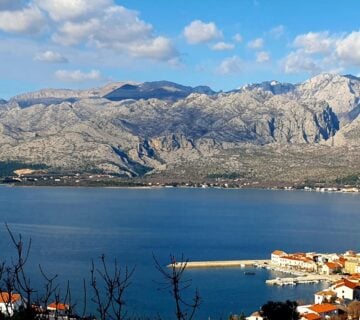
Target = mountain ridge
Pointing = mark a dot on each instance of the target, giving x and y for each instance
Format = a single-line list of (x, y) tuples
[(165, 127)]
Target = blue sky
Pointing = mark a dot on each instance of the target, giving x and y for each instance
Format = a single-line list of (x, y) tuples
[(223, 44)]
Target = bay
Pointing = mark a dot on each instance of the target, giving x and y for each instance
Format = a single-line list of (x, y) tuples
[(71, 226)]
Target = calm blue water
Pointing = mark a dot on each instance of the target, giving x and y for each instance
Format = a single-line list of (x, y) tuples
[(70, 226)]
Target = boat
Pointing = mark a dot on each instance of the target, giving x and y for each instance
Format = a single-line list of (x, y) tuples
[(249, 273)]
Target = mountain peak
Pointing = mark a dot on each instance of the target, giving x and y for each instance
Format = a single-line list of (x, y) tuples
[(164, 90)]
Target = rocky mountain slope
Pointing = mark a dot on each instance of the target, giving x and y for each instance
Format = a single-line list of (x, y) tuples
[(168, 129)]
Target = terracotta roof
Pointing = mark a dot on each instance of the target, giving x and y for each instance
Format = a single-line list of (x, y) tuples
[(355, 276), (332, 265), (326, 293), (5, 298), (58, 306), (311, 316), (278, 252), (302, 254), (348, 284), (323, 308), (299, 258)]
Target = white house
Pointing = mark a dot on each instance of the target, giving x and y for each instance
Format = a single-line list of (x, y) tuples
[(297, 262), (324, 296), (346, 289), (331, 268), (9, 302), (276, 255), (317, 311)]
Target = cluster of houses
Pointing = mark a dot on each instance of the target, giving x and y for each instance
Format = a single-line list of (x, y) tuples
[(320, 263), (333, 301), (11, 302)]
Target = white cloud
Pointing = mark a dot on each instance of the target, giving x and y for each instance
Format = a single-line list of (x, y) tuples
[(348, 49), (28, 20), (277, 31), (72, 33), (323, 51), (238, 38), (61, 10), (256, 43), (230, 65), (118, 29), (315, 42), (299, 61), (159, 48), (200, 32), (77, 75), (262, 56), (51, 56), (222, 46)]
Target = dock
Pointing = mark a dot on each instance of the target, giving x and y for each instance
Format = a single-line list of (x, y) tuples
[(311, 278), (222, 264)]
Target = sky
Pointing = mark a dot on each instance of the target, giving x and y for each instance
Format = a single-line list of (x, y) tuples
[(222, 44)]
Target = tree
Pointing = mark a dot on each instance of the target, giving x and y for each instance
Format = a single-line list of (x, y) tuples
[(354, 309), (109, 294), (280, 310), (174, 281)]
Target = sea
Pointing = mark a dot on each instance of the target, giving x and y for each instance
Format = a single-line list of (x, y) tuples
[(71, 227)]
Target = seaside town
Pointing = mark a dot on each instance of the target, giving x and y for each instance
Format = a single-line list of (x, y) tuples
[(340, 301), (342, 271)]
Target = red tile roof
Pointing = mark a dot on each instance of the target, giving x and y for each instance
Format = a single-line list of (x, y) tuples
[(278, 252), (333, 265), (5, 297), (58, 306), (323, 308), (347, 283)]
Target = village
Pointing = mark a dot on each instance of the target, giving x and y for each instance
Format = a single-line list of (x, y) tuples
[(342, 271), (339, 301)]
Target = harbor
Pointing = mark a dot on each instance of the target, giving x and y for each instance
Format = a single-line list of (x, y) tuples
[(307, 279), (223, 264)]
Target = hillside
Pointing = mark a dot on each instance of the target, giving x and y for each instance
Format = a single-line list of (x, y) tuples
[(268, 132)]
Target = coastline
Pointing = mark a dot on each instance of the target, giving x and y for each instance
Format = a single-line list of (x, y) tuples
[(161, 187)]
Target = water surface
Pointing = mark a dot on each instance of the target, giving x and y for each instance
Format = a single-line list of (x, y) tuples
[(70, 226)]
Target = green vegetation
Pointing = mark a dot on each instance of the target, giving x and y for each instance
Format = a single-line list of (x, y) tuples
[(7, 167), (225, 175), (280, 310), (352, 179)]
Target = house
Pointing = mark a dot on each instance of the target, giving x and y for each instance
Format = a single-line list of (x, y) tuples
[(346, 289), (10, 302), (325, 296), (352, 265), (58, 307), (331, 268), (324, 309), (275, 256), (298, 261)]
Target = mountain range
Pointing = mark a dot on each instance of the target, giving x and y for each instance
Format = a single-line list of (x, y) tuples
[(268, 131)]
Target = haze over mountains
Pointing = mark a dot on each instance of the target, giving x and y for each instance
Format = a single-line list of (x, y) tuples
[(267, 131)]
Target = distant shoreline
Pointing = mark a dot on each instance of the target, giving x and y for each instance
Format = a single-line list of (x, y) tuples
[(161, 187)]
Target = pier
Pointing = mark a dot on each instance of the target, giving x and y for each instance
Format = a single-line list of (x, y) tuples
[(311, 278), (223, 264)]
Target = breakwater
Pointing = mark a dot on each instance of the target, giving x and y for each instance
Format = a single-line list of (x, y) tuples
[(223, 264)]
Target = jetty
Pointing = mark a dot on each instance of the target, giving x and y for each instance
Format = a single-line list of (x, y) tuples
[(311, 278), (222, 264)]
